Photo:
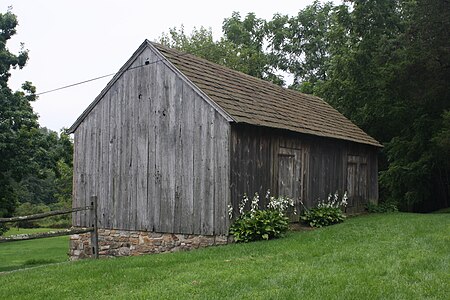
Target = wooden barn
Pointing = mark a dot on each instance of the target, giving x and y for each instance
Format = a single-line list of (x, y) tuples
[(173, 139)]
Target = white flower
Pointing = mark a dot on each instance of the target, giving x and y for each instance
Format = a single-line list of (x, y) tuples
[(254, 204), (230, 211), (242, 204)]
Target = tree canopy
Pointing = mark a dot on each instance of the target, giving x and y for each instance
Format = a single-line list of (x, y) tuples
[(35, 163), (385, 64)]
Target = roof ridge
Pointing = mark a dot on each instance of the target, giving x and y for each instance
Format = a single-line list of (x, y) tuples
[(225, 68), (259, 102)]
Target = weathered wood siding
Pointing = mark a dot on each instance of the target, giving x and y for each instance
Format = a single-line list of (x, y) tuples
[(155, 153), (264, 158)]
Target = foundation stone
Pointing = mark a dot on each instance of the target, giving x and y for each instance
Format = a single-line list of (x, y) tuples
[(131, 243)]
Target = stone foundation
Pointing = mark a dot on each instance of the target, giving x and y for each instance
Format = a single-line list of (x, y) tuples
[(125, 243)]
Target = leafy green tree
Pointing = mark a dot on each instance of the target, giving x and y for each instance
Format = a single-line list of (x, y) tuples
[(300, 44), (35, 163), (383, 63), (387, 69), (419, 172), (51, 161), (249, 37), (17, 119), (241, 48)]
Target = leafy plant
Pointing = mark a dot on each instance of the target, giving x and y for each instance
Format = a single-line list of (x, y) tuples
[(385, 207), (3, 229), (326, 213), (260, 224)]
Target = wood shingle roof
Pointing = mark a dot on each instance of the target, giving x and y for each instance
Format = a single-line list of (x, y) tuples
[(254, 101)]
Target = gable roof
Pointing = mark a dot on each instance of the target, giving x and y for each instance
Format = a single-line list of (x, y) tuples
[(255, 101), (246, 99)]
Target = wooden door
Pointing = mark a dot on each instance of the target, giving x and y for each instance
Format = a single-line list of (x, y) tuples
[(356, 182), (289, 174)]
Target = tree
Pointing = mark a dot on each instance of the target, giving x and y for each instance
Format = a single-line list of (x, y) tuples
[(384, 64), (300, 44), (17, 119), (35, 163), (419, 170), (241, 48), (386, 67), (249, 36)]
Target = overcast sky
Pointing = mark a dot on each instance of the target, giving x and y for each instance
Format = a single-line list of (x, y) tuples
[(72, 41)]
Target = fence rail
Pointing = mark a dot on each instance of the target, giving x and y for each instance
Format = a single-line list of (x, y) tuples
[(93, 229), (43, 215), (32, 236)]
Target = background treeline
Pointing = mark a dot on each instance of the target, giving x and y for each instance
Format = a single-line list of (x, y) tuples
[(385, 64), (35, 163)]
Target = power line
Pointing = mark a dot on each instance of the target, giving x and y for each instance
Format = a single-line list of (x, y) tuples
[(107, 75), (75, 84)]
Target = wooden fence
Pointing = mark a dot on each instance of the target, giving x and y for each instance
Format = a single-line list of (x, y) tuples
[(93, 229)]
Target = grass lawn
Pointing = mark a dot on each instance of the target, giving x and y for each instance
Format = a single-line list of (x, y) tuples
[(25, 254), (391, 256)]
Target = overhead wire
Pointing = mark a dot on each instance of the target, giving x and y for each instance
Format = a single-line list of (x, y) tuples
[(147, 63)]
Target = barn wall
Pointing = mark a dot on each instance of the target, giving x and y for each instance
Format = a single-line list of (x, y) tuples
[(322, 166), (155, 153), (342, 166), (251, 155)]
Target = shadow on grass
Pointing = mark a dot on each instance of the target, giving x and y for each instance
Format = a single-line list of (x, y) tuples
[(28, 264)]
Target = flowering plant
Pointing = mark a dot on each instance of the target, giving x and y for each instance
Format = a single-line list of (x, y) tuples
[(260, 224), (333, 201), (326, 212)]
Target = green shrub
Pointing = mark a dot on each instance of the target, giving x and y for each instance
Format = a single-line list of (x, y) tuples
[(3, 229), (260, 224), (385, 207), (59, 221), (323, 216), (26, 209), (326, 213)]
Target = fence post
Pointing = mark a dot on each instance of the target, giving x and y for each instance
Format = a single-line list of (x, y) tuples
[(94, 234)]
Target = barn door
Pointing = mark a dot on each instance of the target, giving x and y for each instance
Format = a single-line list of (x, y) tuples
[(289, 174), (356, 182)]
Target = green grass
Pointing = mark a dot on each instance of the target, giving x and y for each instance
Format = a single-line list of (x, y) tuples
[(25, 254), (390, 256), (442, 211)]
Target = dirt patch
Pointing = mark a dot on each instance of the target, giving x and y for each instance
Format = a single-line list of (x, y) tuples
[(299, 227)]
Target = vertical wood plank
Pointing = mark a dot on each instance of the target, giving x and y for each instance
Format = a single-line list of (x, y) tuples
[(180, 181), (142, 144), (208, 205), (199, 165), (152, 200), (76, 192), (101, 163), (87, 169), (160, 137), (112, 169), (106, 207), (170, 151), (118, 208), (220, 175), (187, 160), (123, 157), (134, 94)]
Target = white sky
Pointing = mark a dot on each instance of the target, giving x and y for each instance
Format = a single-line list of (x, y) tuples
[(72, 41)]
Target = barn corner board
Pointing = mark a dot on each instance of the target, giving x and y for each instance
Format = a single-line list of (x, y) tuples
[(173, 139)]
